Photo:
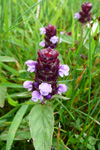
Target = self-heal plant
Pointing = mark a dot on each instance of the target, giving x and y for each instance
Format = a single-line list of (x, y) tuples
[(84, 15), (50, 38), (47, 70)]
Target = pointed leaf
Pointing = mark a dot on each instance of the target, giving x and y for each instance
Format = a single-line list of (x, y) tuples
[(41, 122), (11, 101), (7, 59), (14, 126)]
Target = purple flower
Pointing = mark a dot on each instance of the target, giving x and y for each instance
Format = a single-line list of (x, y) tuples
[(54, 39), (63, 70), (48, 96), (47, 68), (42, 44), (77, 15), (31, 65), (61, 32), (50, 31), (62, 88), (42, 30), (60, 40), (28, 85), (36, 96), (84, 15), (45, 89)]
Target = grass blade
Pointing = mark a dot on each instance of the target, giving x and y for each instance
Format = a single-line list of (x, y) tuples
[(14, 126)]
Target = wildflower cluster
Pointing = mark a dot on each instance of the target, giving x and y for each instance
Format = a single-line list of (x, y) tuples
[(84, 15), (47, 69), (50, 39)]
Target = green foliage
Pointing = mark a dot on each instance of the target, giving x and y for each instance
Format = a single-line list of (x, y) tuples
[(15, 123), (41, 123), (3, 91), (77, 110)]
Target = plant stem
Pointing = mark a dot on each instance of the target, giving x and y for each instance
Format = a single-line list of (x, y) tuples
[(58, 138)]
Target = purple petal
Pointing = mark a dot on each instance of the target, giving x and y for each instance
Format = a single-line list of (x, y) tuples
[(45, 89), (54, 39), (63, 70), (77, 15), (42, 44), (61, 32), (31, 65), (60, 40), (36, 96), (62, 88), (48, 96), (28, 85), (42, 30)]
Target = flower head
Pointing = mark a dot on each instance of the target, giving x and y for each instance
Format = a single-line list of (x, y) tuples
[(50, 31), (62, 88), (42, 30), (86, 7), (63, 70), (84, 15), (47, 67), (47, 71), (28, 85), (31, 65)]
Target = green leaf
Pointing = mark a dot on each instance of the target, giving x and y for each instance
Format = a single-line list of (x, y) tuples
[(60, 97), (99, 146), (20, 135), (65, 108), (11, 101), (3, 91), (14, 126), (12, 70), (92, 140), (41, 122), (12, 85), (7, 59), (61, 59), (67, 39)]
